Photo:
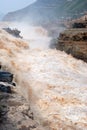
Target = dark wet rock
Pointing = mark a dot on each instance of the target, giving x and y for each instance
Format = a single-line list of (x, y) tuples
[(0, 66), (4, 88), (14, 84), (6, 77), (79, 25), (14, 32)]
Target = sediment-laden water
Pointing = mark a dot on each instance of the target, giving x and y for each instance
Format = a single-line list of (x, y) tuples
[(54, 83)]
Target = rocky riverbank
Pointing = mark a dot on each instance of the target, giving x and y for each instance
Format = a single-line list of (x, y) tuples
[(74, 40), (15, 111)]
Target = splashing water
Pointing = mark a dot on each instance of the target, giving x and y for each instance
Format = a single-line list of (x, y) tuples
[(36, 36), (54, 83)]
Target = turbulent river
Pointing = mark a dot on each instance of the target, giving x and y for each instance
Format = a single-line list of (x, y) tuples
[(54, 83), (36, 36)]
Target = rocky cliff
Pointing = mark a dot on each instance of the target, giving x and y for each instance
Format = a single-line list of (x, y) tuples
[(15, 112), (74, 40)]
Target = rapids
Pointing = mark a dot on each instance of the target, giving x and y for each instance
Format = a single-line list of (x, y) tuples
[(37, 36), (54, 83)]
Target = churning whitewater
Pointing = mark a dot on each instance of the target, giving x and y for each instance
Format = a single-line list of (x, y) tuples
[(37, 36), (54, 83)]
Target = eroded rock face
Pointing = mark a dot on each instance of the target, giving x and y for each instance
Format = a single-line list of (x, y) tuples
[(15, 113), (14, 32), (74, 41)]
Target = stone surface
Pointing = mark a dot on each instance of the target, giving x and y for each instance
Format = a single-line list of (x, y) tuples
[(15, 113), (74, 41), (6, 77), (14, 32)]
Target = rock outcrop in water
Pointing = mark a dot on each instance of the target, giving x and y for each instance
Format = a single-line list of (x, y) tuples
[(14, 32), (54, 84), (6, 77)]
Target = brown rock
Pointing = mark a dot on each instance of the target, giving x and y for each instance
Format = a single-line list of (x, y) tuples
[(15, 113), (74, 42)]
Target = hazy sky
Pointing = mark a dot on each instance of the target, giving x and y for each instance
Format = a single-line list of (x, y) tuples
[(12, 5)]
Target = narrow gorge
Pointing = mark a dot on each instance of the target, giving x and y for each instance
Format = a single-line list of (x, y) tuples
[(53, 83)]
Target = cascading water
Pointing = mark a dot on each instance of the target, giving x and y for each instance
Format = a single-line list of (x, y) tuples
[(54, 83), (36, 36)]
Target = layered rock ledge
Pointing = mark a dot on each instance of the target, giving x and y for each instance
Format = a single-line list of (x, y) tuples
[(74, 41)]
